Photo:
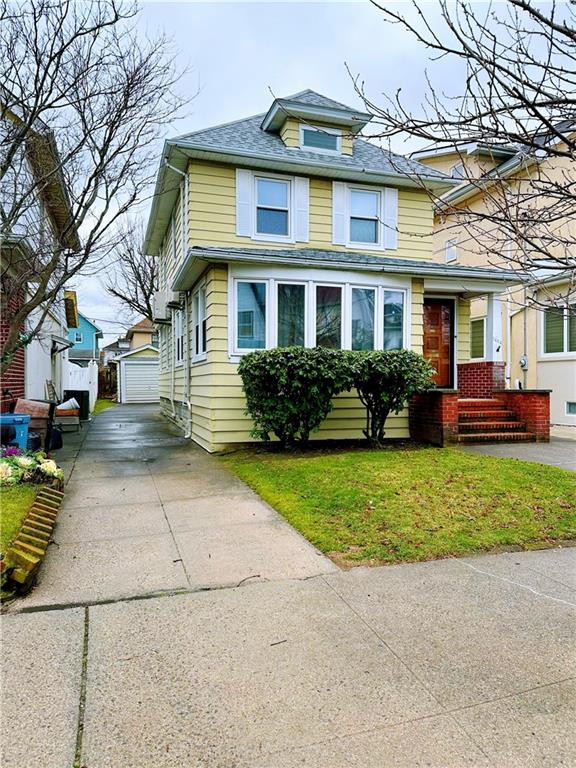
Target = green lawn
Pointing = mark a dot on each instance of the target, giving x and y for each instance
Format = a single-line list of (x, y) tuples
[(102, 405), (15, 501), (406, 504)]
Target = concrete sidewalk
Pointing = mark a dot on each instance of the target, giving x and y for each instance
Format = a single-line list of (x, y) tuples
[(233, 644)]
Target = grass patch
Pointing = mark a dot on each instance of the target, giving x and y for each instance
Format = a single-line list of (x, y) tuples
[(102, 405), (409, 504), (15, 501)]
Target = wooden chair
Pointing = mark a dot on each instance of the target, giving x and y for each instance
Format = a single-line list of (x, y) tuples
[(69, 417)]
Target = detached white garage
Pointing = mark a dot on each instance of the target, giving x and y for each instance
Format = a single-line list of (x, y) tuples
[(138, 375)]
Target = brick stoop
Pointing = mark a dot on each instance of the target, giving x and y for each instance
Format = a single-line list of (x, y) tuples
[(486, 419)]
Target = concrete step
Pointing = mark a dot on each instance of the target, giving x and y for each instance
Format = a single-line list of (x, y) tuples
[(497, 437), (491, 426)]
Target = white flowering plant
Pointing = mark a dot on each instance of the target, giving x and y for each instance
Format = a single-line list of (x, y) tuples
[(28, 467)]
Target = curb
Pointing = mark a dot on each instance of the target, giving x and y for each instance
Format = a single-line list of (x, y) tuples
[(29, 547)]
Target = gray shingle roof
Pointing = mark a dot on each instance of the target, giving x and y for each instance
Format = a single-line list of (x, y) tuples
[(311, 97), (298, 255), (246, 135)]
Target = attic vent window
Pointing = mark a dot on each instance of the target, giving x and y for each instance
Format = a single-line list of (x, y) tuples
[(320, 139)]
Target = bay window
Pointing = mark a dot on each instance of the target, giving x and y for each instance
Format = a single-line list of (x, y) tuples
[(393, 319), (363, 307), (251, 315), (269, 312), (291, 313), (329, 316)]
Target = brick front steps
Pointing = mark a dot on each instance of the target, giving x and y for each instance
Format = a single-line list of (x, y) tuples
[(29, 547), (489, 420)]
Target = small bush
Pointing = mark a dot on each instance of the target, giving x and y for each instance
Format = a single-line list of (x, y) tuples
[(289, 391), (385, 381)]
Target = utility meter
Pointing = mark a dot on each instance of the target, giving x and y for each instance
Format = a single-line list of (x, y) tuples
[(523, 362)]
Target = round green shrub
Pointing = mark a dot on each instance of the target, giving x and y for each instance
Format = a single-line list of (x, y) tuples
[(289, 391)]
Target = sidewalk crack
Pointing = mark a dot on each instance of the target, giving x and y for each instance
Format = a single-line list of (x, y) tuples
[(82, 701)]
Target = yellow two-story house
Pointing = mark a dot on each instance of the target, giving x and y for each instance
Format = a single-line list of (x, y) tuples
[(287, 228)]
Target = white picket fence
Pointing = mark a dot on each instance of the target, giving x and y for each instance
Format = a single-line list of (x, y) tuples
[(76, 377)]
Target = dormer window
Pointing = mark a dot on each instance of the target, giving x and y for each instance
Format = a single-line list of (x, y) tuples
[(320, 139)]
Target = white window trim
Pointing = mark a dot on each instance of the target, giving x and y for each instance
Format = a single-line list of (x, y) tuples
[(290, 237), (450, 244), (473, 320), (334, 131), (565, 355), (310, 278), (356, 244), (567, 404), (198, 357), (78, 340), (178, 331)]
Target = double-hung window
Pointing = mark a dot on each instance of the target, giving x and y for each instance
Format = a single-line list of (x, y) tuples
[(365, 209), (178, 326), (559, 330), (272, 207), (329, 316), (78, 337), (451, 251), (199, 321)]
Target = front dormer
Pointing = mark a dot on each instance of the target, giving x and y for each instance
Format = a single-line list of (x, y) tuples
[(313, 124)]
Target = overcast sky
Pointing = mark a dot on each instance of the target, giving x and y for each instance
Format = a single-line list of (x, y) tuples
[(242, 55)]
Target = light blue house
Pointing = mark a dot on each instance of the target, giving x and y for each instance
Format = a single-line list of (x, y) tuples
[(85, 339)]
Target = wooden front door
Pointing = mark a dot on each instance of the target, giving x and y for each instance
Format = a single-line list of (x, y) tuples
[(438, 335)]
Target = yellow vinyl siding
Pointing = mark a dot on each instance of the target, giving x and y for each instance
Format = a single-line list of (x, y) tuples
[(463, 326), (290, 132), (212, 217)]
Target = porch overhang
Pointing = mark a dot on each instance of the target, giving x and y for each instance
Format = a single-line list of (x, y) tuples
[(439, 277)]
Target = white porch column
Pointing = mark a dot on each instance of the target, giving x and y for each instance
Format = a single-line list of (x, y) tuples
[(494, 343)]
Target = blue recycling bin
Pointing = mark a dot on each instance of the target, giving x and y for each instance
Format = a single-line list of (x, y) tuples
[(20, 422)]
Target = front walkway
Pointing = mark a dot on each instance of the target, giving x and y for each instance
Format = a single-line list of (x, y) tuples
[(117, 660), (559, 452)]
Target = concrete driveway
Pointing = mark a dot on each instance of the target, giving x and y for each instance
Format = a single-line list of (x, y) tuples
[(179, 622)]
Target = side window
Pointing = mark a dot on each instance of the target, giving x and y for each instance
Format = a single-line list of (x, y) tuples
[(451, 251), (78, 337), (178, 337), (199, 321), (477, 339)]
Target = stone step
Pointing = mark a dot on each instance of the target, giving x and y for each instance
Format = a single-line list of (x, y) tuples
[(497, 437), (484, 426), (502, 414)]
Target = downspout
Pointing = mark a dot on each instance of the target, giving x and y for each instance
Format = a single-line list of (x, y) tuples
[(188, 366), (524, 319), (508, 373), (173, 383), (173, 355)]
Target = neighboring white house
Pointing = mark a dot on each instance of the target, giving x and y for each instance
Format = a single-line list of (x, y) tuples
[(138, 375), (47, 354)]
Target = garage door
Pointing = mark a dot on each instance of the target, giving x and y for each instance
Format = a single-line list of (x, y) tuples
[(140, 382)]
